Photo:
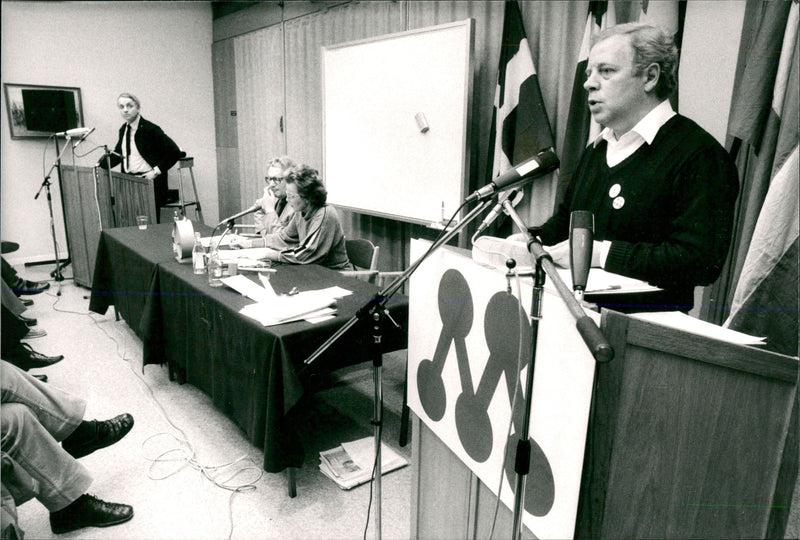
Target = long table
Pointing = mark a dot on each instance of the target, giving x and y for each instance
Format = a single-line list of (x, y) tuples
[(254, 374)]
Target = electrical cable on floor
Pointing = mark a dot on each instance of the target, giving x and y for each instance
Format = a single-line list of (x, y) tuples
[(374, 468), (517, 383), (185, 451)]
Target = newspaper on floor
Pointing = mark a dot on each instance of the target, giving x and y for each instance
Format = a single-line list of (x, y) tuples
[(350, 464)]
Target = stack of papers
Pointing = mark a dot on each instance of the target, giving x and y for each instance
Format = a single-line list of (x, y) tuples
[(271, 308), (350, 464)]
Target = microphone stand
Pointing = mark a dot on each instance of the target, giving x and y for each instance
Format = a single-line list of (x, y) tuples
[(374, 311), (57, 275), (594, 339), (107, 158)]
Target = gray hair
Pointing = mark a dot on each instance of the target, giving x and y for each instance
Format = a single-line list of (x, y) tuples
[(283, 163), (651, 45), (131, 97)]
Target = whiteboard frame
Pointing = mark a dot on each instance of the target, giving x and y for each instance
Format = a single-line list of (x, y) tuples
[(456, 194)]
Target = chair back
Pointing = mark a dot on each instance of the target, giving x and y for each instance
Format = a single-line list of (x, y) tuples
[(362, 253)]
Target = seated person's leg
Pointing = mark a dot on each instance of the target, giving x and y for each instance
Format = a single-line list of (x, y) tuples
[(18, 284), (10, 300), (60, 478), (12, 331), (61, 481), (59, 412)]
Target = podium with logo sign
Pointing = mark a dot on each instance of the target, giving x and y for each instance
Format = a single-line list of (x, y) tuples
[(678, 436)]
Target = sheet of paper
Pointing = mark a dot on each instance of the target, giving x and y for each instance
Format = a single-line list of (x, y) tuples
[(256, 254), (249, 288), (682, 321), (602, 282), (288, 308)]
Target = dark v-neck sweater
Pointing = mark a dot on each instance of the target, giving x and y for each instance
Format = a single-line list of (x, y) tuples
[(672, 221)]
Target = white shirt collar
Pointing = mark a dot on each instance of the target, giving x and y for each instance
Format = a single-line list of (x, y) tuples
[(135, 124), (647, 127)]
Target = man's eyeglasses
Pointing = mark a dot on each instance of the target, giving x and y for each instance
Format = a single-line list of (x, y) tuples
[(273, 179)]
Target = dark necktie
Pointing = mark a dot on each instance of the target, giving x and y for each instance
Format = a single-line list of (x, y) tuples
[(127, 147), (279, 206)]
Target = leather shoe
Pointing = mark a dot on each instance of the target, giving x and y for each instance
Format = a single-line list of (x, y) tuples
[(89, 511), (26, 358), (25, 286), (29, 321), (104, 434)]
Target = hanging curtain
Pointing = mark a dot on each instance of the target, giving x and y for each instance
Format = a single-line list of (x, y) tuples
[(304, 38), (259, 101)]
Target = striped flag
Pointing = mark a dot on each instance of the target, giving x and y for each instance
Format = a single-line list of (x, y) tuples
[(766, 299), (581, 129), (669, 15), (520, 127)]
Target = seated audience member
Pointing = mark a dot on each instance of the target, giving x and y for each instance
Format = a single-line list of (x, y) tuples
[(12, 331), (314, 234), (275, 212), (35, 417), (18, 284), (14, 304)]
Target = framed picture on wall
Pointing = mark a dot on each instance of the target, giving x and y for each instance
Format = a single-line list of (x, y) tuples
[(40, 111)]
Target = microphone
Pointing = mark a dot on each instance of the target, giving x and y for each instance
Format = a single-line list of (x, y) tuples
[(581, 238), (541, 164), (234, 217), (83, 138), (515, 195), (82, 132)]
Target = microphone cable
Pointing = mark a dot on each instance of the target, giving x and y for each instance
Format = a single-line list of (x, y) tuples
[(514, 398)]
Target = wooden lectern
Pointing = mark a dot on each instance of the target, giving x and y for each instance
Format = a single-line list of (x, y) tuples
[(93, 202), (689, 437)]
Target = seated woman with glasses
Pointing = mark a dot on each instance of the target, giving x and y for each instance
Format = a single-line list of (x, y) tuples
[(314, 234), (274, 212)]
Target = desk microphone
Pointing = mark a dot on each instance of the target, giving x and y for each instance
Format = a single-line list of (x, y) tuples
[(581, 238), (544, 162), (514, 196), (234, 217), (83, 138), (77, 132)]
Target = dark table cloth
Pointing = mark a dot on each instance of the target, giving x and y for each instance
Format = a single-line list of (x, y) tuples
[(254, 374)]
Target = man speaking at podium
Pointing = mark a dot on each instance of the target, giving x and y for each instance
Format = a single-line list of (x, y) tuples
[(661, 188), (143, 149)]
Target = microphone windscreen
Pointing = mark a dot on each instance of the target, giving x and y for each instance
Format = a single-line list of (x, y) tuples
[(581, 239)]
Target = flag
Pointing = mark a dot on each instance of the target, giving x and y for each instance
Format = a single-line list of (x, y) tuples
[(581, 129), (669, 15), (663, 13), (520, 126), (765, 301)]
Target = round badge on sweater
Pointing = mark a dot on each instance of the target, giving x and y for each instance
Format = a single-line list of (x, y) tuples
[(618, 202), (614, 191)]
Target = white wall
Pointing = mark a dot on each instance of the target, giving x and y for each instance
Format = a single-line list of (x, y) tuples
[(711, 37), (159, 51)]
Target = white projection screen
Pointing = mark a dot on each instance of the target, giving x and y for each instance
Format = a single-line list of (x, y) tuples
[(395, 122)]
